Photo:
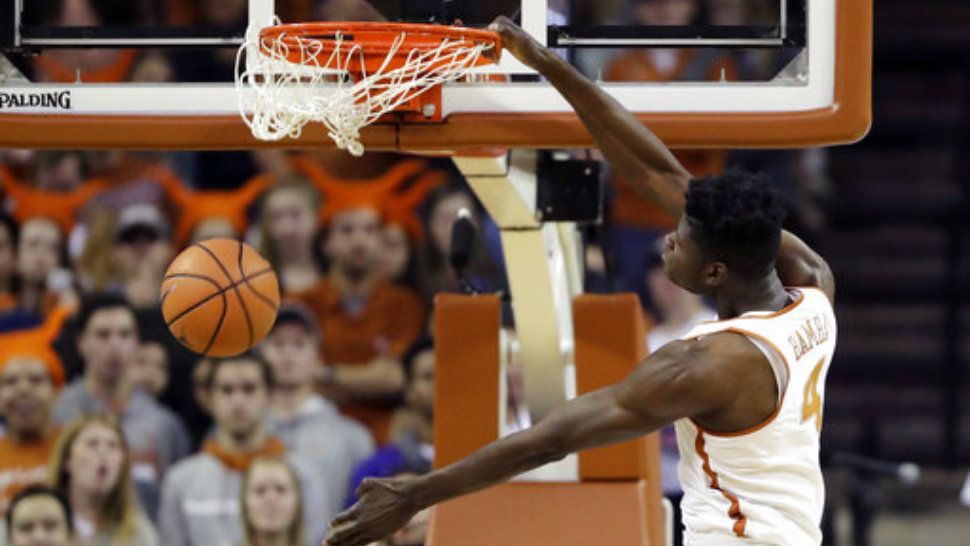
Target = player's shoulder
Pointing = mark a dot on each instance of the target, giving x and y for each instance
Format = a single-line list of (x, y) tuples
[(717, 358)]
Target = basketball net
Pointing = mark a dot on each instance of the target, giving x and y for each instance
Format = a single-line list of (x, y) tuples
[(289, 81)]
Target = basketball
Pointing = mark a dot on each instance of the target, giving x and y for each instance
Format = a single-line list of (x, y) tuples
[(219, 297)]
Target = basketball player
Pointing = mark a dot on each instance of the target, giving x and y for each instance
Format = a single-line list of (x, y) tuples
[(745, 393)]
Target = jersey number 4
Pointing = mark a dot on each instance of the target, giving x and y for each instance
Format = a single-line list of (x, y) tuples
[(812, 406)]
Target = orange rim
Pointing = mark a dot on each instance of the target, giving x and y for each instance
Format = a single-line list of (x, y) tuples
[(303, 43)]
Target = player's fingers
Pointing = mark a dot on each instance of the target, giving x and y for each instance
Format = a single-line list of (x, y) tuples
[(343, 517), (499, 24), (345, 536), (365, 486)]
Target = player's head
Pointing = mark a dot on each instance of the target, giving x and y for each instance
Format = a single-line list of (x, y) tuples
[(729, 232)]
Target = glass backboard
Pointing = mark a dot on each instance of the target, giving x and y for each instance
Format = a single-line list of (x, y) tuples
[(159, 74)]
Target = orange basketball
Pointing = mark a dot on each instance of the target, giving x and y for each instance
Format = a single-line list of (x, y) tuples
[(220, 297)]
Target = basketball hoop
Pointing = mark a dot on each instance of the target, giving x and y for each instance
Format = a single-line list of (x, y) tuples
[(348, 75)]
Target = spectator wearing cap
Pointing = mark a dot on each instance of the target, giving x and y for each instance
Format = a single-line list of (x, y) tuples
[(30, 376), (107, 343), (307, 423), (142, 252)]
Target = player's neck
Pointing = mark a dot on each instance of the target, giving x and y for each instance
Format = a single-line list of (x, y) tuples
[(683, 314), (737, 298)]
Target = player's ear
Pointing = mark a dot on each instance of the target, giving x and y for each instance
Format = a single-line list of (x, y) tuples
[(714, 274)]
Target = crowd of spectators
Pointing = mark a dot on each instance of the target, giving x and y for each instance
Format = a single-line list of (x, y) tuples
[(115, 435)]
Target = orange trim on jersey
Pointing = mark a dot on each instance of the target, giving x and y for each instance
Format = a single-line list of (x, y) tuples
[(734, 511), (798, 300), (768, 420)]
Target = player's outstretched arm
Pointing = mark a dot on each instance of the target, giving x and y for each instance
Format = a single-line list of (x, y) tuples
[(682, 379), (639, 156)]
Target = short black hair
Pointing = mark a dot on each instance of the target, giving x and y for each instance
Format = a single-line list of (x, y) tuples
[(249, 356), (98, 302), (737, 217), (407, 360), (39, 490)]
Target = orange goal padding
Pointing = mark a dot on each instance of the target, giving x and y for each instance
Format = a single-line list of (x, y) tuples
[(546, 514), (466, 375)]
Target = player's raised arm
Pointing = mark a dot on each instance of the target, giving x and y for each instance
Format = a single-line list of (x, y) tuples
[(639, 156), (632, 149), (685, 378)]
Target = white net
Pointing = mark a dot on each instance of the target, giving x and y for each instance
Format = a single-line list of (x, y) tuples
[(278, 96)]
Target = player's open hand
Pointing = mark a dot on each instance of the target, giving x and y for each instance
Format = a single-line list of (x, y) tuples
[(515, 40), (382, 509)]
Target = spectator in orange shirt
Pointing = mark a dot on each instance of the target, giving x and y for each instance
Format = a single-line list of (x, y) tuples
[(30, 376), (367, 322)]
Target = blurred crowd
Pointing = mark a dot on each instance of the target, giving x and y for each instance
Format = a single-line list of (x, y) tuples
[(115, 435)]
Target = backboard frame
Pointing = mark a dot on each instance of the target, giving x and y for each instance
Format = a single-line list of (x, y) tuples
[(833, 108)]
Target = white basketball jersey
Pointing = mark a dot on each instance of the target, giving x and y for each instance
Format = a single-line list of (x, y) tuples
[(764, 485)]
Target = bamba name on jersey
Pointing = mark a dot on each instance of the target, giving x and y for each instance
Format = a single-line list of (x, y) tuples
[(810, 333)]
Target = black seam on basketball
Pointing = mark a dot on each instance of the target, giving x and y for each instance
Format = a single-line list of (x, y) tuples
[(222, 320), (193, 276), (171, 323), (165, 294), (262, 297), (216, 260), (242, 303), (208, 298)]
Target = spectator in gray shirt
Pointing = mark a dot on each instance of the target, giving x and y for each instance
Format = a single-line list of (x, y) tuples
[(106, 344), (200, 496), (306, 422)]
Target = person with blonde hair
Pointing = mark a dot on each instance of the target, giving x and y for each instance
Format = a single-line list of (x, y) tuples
[(288, 219), (92, 466), (272, 504)]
